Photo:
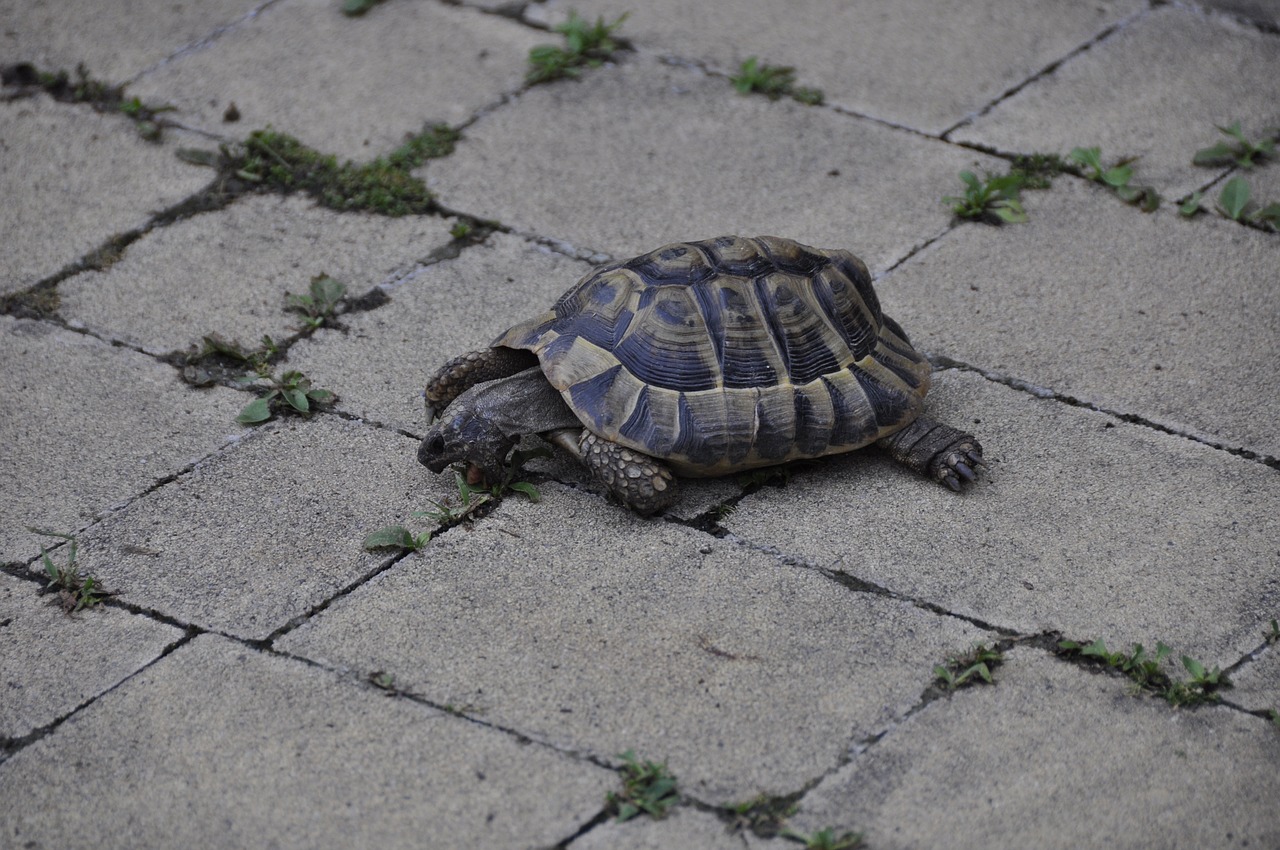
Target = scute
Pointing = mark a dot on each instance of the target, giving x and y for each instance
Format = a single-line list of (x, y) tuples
[(729, 354)]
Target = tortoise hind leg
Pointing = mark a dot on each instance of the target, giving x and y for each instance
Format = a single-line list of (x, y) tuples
[(641, 483), (475, 367), (945, 454)]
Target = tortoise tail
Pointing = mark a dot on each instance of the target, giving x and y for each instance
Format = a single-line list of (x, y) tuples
[(937, 451)]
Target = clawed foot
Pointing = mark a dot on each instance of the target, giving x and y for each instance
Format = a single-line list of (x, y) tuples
[(956, 465)]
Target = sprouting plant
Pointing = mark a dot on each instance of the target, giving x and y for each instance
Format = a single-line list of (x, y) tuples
[(75, 591), (460, 230), (355, 8), (292, 388), (763, 815), (584, 44), (1234, 202), (1147, 673), (994, 200), (395, 537), (1272, 635), (1116, 178), (1037, 169), (773, 81), (383, 680), (319, 305), (1240, 151), (961, 669), (1191, 205), (647, 788), (825, 839)]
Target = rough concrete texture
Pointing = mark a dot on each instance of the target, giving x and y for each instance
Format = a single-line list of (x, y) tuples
[(75, 171), (530, 625), (87, 426), (1135, 94), (641, 154), (53, 662), (431, 318), (1173, 320), (763, 636), (279, 522), (1190, 779), (120, 39), (382, 76), (937, 82), (1140, 528), (228, 272), (258, 750), (1264, 12)]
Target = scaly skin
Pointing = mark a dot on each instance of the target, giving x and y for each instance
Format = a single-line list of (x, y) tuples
[(945, 454), (466, 370), (641, 483)]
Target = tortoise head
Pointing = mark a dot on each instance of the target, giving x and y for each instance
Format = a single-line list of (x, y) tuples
[(467, 436)]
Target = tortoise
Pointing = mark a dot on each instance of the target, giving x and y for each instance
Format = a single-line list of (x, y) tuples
[(698, 359)]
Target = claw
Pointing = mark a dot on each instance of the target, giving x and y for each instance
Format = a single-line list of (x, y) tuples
[(975, 458), (952, 481), (960, 467)]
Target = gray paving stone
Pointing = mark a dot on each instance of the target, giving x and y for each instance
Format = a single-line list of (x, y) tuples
[(53, 662), (228, 271), (440, 311), (686, 828), (1256, 686), (1265, 12), (577, 624), (352, 87), (918, 63), (119, 40), (87, 426), (1084, 525), (76, 172), (1173, 320), (640, 154), (264, 532), (1056, 757), (1136, 94), (222, 746)]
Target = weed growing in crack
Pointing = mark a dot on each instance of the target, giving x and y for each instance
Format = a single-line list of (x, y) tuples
[(773, 81), (995, 199), (1239, 152), (585, 44), (103, 97), (355, 8), (1147, 672), (1235, 202), (1272, 635), (384, 681), (647, 788), (319, 305), (291, 391), (75, 592), (1116, 178), (970, 668), (763, 815), (825, 839), (395, 537)]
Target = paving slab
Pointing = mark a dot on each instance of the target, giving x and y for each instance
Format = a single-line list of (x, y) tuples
[(918, 63), (76, 172), (118, 41), (353, 87), (1083, 524), (281, 754), (1053, 756), (1264, 12), (88, 426), (640, 154), (439, 311), (51, 662), (266, 531), (1173, 320), (227, 272), (1256, 685), (684, 828), (1135, 94), (577, 624)]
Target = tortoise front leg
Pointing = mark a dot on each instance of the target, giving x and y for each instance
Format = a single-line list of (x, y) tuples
[(466, 370), (640, 482), (945, 454)]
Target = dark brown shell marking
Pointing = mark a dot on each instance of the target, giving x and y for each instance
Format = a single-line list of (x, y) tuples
[(729, 353)]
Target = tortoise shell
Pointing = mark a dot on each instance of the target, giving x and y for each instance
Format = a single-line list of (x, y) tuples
[(730, 353)]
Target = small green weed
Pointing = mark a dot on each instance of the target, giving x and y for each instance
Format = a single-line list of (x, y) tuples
[(763, 815), (75, 592), (461, 230), (291, 391), (1272, 635), (318, 306), (961, 670), (994, 200), (584, 45), (647, 788), (825, 839), (773, 81), (395, 537), (1038, 169), (1116, 178), (1239, 151), (218, 358), (1147, 673), (1275, 717), (1235, 202), (85, 89), (383, 680), (355, 8)]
